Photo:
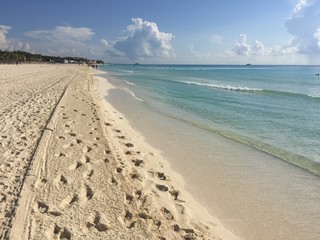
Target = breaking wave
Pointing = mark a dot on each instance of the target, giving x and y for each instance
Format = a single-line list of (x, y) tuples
[(132, 94), (253, 90)]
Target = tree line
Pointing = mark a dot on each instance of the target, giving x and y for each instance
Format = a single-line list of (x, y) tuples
[(16, 57)]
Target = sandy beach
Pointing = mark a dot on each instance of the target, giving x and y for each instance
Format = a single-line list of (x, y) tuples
[(72, 167)]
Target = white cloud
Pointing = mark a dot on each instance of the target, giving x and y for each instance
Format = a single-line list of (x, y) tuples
[(242, 48), (63, 34), (300, 5), (63, 40), (260, 50), (110, 49), (3, 39), (193, 51), (317, 36), (303, 24), (11, 44), (144, 40), (290, 49)]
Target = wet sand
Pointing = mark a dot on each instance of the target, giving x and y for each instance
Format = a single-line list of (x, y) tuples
[(256, 195)]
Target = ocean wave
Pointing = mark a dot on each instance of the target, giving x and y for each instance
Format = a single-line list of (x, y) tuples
[(129, 83), (132, 94), (224, 87), (126, 71), (314, 96), (254, 90), (291, 94)]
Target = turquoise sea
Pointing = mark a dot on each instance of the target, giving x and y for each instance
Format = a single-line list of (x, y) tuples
[(275, 109), (246, 139)]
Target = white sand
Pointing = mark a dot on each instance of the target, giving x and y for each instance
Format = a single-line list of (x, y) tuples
[(73, 168)]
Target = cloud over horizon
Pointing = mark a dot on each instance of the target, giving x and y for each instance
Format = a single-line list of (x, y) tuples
[(304, 24), (11, 44), (144, 40), (64, 39), (63, 33), (243, 48)]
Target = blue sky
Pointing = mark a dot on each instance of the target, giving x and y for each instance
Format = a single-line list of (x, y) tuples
[(167, 31)]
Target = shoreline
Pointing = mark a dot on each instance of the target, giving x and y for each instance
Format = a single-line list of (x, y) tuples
[(248, 188), (77, 169), (202, 212)]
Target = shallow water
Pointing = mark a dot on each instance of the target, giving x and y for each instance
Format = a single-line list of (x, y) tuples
[(257, 195), (273, 108)]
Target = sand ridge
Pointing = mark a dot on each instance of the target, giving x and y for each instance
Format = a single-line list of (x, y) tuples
[(70, 171)]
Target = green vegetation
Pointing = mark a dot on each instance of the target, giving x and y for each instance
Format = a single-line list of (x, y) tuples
[(7, 57)]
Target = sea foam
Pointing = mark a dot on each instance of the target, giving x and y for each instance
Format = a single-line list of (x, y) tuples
[(132, 94), (224, 87)]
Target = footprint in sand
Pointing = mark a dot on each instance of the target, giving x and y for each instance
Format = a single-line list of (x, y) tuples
[(55, 213), (131, 225), (161, 176), (128, 153), (87, 159), (69, 201), (180, 208), (89, 149), (114, 181), (75, 166), (88, 174), (135, 176), (128, 215), (42, 207), (129, 198), (162, 188), (129, 145), (62, 233), (97, 224), (176, 227), (89, 192), (175, 193), (167, 214), (137, 162), (138, 193), (144, 216), (62, 180), (74, 199)]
